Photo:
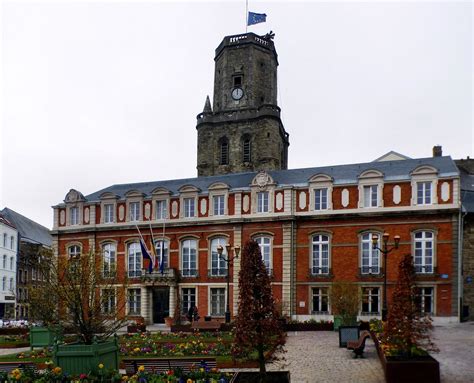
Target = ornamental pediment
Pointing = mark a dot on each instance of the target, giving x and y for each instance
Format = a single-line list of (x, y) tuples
[(423, 170), (108, 195), (74, 196), (189, 189), (134, 193), (262, 180), (160, 191), (321, 177), (218, 185), (371, 173)]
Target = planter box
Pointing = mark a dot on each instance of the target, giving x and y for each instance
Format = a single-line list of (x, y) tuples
[(181, 328), (339, 321), (347, 334), (81, 358), (419, 369), (308, 327), (253, 377), (42, 336), (136, 328)]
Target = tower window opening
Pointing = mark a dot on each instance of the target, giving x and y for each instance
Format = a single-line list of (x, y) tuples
[(224, 155), (237, 81), (246, 150)]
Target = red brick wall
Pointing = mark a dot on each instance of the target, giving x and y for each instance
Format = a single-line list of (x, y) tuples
[(231, 204), (337, 197), (450, 200), (300, 196), (405, 190)]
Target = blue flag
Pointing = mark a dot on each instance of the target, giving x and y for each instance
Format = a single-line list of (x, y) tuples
[(146, 255), (255, 18)]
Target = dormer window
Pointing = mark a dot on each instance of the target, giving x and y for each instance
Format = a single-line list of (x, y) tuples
[(161, 209), (424, 183), (74, 216), (109, 213), (371, 196), (134, 211), (262, 202), (321, 199), (189, 208), (424, 193)]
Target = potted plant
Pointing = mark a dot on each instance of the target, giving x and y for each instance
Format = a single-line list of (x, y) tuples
[(91, 307), (257, 326), (137, 325), (404, 340)]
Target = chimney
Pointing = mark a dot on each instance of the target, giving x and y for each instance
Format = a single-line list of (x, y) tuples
[(437, 151)]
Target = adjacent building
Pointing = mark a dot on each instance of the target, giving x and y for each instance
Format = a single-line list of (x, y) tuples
[(33, 240), (315, 226), (8, 259)]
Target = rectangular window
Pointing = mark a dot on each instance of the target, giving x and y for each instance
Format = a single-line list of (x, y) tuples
[(12, 242), (161, 210), (423, 193), (266, 250), (161, 248), (262, 202), (134, 211), (424, 242), (218, 302), (108, 301), (74, 216), (218, 263), (134, 302), (320, 300), (237, 81), (33, 274), (218, 204), (109, 213), (370, 257), (321, 199), (370, 300), (424, 300), (5, 240), (189, 207), (320, 255), (371, 196), (188, 299), (189, 257)]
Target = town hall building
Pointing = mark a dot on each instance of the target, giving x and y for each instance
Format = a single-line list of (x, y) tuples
[(315, 226)]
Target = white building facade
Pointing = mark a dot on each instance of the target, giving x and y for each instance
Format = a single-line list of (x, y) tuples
[(8, 261)]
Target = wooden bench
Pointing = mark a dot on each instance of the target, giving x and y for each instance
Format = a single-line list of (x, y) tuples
[(206, 326), (10, 366), (162, 365), (358, 346)]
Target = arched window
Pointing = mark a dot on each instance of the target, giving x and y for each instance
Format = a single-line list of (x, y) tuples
[(161, 248), (218, 264), (74, 251), (224, 152), (109, 263), (320, 255), (266, 250), (424, 251), (4, 283), (246, 150), (370, 257), (134, 260), (189, 257)]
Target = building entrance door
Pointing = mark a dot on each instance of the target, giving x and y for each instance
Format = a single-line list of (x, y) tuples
[(161, 304)]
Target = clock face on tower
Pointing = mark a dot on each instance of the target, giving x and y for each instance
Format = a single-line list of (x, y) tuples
[(237, 93)]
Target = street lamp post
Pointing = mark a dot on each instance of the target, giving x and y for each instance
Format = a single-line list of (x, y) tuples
[(385, 250), (229, 260)]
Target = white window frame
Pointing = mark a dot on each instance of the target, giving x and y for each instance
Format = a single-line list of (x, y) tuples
[(320, 244), (322, 292), (109, 259), (189, 207), (220, 265), (366, 245), (162, 245), (187, 298), (134, 257), (5, 236), (161, 207), (421, 297), (218, 204), (221, 296), (12, 242), (4, 264), (110, 306), (371, 196), (74, 251), (134, 296), (421, 252), (189, 249), (424, 173), (375, 180), (425, 198), (370, 295), (321, 197), (134, 214), (74, 216), (263, 201), (265, 242), (109, 212)]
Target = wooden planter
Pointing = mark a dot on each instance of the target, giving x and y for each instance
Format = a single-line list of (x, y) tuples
[(253, 377), (75, 359), (42, 336), (418, 369)]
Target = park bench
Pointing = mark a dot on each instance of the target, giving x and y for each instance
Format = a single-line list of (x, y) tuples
[(162, 365), (206, 326), (10, 366), (358, 346)]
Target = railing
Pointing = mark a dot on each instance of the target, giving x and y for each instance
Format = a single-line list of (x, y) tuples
[(168, 273), (370, 270), (217, 272), (189, 273)]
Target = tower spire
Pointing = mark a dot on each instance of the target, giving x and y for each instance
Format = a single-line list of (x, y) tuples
[(207, 106)]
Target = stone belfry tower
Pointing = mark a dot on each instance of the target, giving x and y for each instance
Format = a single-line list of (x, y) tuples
[(242, 131)]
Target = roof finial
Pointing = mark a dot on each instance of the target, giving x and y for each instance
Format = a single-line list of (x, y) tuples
[(207, 106)]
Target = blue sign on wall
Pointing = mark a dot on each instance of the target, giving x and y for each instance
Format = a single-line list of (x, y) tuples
[(444, 276), (468, 279)]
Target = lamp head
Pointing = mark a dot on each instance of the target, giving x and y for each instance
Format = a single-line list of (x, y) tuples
[(375, 241), (397, 241), (220, 249), (228, 247), (237, 251), (385, 237)]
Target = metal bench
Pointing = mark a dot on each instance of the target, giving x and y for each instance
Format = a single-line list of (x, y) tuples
[(163, 365), (358, 346), (10, 366)]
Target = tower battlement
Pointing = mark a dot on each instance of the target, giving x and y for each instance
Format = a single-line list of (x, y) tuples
[(265, 42)]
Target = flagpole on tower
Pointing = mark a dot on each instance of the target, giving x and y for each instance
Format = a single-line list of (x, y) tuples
[(246, 15)]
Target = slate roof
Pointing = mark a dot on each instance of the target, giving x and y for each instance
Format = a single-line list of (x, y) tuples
[(6, 222), (342, 174), (29, 230), (466, 168)]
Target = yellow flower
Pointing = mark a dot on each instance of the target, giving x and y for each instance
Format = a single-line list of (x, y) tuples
[(189, 381), (101, 366), (141, 368), (57, 370)]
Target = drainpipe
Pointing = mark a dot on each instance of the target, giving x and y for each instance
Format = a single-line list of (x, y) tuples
[(460, 261)]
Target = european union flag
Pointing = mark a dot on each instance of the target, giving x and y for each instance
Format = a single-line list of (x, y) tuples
[(255, 18), (146, 255)]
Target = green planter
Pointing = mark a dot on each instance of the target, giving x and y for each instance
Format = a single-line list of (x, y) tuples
[(42, 336), (81, 358), (340, 320)]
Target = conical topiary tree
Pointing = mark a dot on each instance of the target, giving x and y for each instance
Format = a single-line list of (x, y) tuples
[(406, 330), (257, 326)]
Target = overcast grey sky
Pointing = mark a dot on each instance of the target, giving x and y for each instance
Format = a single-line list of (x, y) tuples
[(98, 93)]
